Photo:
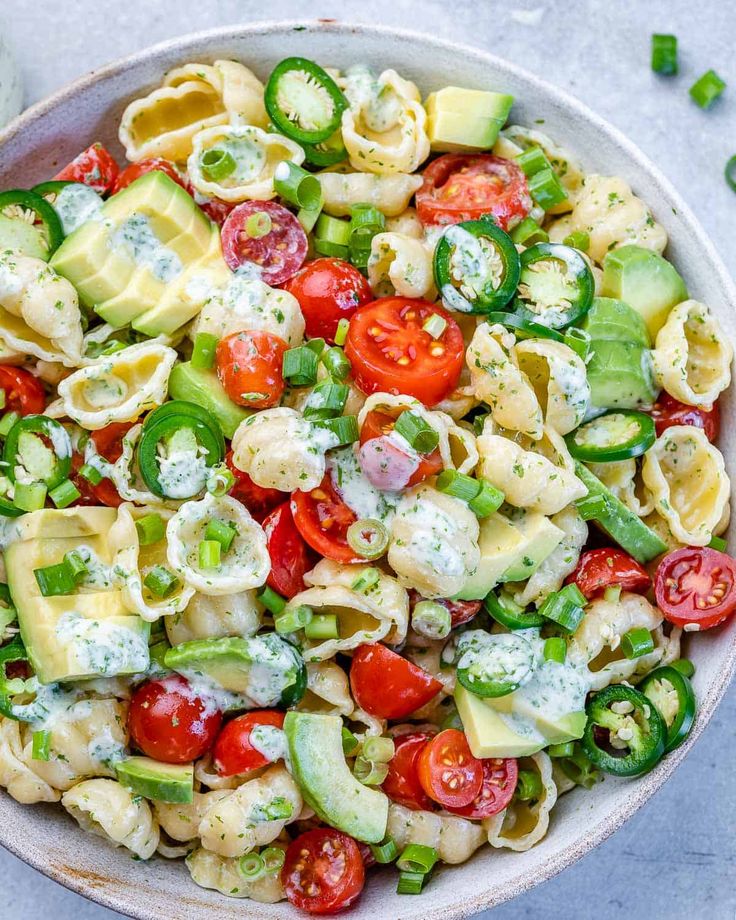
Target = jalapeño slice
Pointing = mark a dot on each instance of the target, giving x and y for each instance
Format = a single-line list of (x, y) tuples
[(303, 101), (556, 286), (29, 223), (674, 697), (616, 435)]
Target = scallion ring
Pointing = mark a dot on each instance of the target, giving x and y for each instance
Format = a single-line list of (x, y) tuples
[(368, 538)]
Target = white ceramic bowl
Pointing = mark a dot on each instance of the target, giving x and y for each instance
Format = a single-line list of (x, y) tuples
[(48, 135)]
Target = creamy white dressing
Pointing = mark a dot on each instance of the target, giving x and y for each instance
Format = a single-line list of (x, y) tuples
[(182, 473), (101, 646), (358, 493), (270, 741), (379, 106), (248, 154), (76, 204), (474, 264), (98, 574), (135, 236), (106, 749), (433, 538)]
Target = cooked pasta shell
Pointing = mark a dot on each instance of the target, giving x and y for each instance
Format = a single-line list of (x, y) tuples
[(454, 838), (402, 265), (522, 824), (208, 870), (390, 194), (559, 379)]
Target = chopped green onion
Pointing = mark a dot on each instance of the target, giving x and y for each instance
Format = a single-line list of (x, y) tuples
[(150, 529), (580, 342), (591, 507), (684, 666), (555, 649), (210, 554), (350, 743), (7, 422), (317, 346), (434, 325), (251, 866), (572, 593), (297, 186), (459, 485), (565, 749), (341, 333), (417, 431), (565, 607), (578, 239), (532, 160), (272, 601), (379, 750), (273, 858), (41, 745), (322, 626), (90, 473), (528, 232), (637, 642), (385, 852), (367, 579), (579, 768), (223, 532), (217, 164), (258, 225), (546, 189), (331, 236), (203, 353), (707, 89), (77, 566), (417, 858), (29, 496), (664, 54), (718, 543), (326, 400), (528, 786), (411, 882), (300, 366), (365, 222), (336, 364), (55, 580), (160, 581), (368, 538), (293, 619), (431, 619), (345, 428), (64, 494), (612, 594), (731, 173), (488, 500), (368, 772), (220, 480)]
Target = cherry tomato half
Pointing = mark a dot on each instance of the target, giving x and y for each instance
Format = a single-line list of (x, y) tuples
[(668, 411), (152, 164), (402, 781), (448, 772), (249, 368), (388, 686), (108, 443), (377, 425), (461, 612), (461, 186), (290, 556), (598, 569), (499, 782), (170, 723), (257, 500), (391, 353), (279, 253), (233, 752), (323, 871), (24, 393), (94, 166), (323, 519), (328, 290), (696, 585)]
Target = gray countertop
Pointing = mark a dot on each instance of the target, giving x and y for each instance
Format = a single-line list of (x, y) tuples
[(677, 857)]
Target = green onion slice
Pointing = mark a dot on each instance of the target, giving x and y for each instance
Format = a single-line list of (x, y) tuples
[(431, 619), (297, 186), (421, 436), (368, 538)]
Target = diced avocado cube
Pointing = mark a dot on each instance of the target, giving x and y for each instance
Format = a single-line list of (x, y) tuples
[(124, 307), (646, 281), (88, 260), (539, 538), (488, 734), (615, 321), (461, 119), (162, 782), (621, 376), (204, 388), (499, 542)]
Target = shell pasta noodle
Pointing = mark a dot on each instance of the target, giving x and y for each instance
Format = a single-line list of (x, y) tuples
[(359, 481)]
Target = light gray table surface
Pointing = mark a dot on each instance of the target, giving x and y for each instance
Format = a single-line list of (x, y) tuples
[(676, 858)]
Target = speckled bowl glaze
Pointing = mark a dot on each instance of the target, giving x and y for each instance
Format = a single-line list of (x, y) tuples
[(48, 135)]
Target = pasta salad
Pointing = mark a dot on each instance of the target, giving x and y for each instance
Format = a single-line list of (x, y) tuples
[(359, 481)]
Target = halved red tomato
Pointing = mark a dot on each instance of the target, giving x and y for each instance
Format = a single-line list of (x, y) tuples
[(249, 368), (499, 782), (387, 685), (460, 186), (233, 752), (108, 443), (95, 167), (668, 411), (257, 500), (328, 290), (323, 871), (24, 393), (448, 771), (696, 586), (390, 351), (152, 164), (290, 555), (402, 781), (377, 424), (461, 612), (323, 519), (599, 569)]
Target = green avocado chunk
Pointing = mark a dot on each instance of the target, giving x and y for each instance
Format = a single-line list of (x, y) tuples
[(615, 519), (615, 321), (326, 781), (621, 375), (646, 281), (204, 388), (461, 120), (163, 782), (266, 669)]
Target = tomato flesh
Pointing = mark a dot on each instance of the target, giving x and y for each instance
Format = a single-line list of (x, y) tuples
[(249, 368), (499, 782), (24, 393), (460, 187), (388, 686), (108, 443), (599, 569), (448, 771), (257, 500), (290, 555), (390, 351), (328, 290), (323, 519), (379, 424), (323, 871), (170, 723), (142, 167), (233, 752), (668, 411), (402, 781), (95, 167), (696, 585)]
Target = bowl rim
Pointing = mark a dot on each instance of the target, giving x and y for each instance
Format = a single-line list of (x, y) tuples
[(648, 784)]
